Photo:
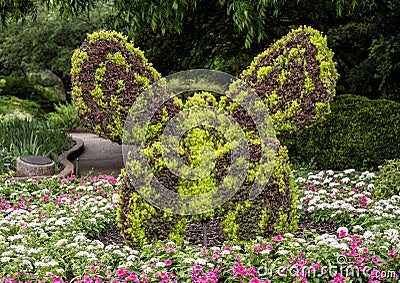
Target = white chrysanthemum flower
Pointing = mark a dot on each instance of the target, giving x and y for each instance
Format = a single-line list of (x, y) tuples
[(349, 171), (82, 254), (369, 235), (160, 264), (5, 259), (80, 238), (225, 252), (358, 228), (342, 246), (200, 261), (19, 249), (294, 244), (119, 253), (370, 175), (52, 263), (7, 253), (72, 246), (188, 260), (98, 244), (52, 219), (360, 184), (300, 180), (41, 264), (15, 237), (265, 252), (282, 252), (236, 248), (311, 247), (131, 258), (26, 262), (61, 242), (288, 235)]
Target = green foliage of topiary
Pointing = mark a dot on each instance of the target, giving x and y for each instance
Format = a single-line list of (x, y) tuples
[(108, 73), (296, 78), (273, 211), (359, 133)]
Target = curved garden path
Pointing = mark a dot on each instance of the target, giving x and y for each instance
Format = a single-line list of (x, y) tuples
[(100, 156)]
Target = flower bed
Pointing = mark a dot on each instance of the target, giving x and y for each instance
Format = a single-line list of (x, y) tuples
[(47, 229)]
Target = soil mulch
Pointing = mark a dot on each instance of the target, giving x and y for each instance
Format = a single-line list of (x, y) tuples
[(214, 235)]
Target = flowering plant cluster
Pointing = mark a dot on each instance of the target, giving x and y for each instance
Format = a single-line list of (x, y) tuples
[(347, 199), (47, 229)]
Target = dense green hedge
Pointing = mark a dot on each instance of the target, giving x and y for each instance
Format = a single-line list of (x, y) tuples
[(359, 133), (23, 88), (13, 107)]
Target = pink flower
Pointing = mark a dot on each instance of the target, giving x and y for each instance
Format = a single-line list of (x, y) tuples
[(168, 262), (353, 253), (120, 273), (255, 280), (57, 280), (87, 279), (277, 239), (392, 252), (375, 259)]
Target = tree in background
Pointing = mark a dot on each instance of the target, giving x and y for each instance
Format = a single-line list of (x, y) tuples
[(45, 44), (226, 34)]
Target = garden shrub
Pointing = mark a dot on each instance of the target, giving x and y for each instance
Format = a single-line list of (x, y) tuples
[(65, 116), (12, 107), (273, 211), (359, 133), (24, 88), (19, 87), (108, 73), (388, 180), (24, 137), (296, 78)]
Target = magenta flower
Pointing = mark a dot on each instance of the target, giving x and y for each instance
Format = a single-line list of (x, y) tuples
[(392, 252)]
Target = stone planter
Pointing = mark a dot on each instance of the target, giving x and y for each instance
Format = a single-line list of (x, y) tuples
[(32, 165), (26, 169)]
